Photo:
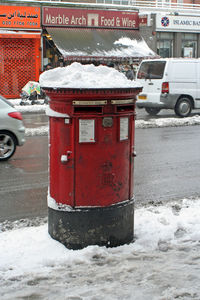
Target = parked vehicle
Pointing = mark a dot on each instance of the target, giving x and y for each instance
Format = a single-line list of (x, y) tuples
[(32, 94), (170, 83), (12, 129)]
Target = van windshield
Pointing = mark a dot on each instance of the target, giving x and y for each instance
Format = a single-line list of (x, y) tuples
[(151, 70)]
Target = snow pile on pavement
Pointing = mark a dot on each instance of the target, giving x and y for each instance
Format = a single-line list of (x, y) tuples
[(153, 123), (29, 108), (37, 131), (162, 263), (40, 108), (168, 122), (77, 75)]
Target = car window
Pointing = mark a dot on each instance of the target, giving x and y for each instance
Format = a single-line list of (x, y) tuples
[(5, 101), (151, 70)]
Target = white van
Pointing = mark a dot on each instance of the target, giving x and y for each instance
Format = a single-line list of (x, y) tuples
[(169, 83)]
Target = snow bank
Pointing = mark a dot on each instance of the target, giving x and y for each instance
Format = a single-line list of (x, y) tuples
[(85, 76), (168, 122), (139, 124), (162, 263), (36, 108)]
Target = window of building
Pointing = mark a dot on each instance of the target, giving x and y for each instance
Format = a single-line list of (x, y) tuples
[(165, 44), (189, 45), (161, 3), (119, 2)]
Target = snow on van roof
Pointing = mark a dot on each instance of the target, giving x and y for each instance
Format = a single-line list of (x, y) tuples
[(77, 75)]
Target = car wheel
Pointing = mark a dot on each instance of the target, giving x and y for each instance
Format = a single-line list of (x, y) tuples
[(153, 111), (183, 107), (7, 145)]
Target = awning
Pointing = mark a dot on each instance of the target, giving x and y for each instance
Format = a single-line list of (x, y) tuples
[(99, 43)]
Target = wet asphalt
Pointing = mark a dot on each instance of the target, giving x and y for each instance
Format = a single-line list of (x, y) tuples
[(167, 167)]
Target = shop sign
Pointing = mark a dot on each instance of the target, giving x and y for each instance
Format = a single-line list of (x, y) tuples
[(19, 17), (177, 23), (143, 20), (64, 17)]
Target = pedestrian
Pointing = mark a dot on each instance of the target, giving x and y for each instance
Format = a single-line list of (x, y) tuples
[(129, 72)]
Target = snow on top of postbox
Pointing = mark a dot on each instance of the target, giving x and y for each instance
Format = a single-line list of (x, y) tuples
[(81, 76)]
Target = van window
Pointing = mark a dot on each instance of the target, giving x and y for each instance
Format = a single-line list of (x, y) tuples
[(151, 70)]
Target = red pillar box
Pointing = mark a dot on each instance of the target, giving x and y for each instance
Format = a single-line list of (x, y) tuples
[(91, 165)]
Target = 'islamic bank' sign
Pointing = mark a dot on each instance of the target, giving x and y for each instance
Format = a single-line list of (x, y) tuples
[(177, 23), (64, 17)]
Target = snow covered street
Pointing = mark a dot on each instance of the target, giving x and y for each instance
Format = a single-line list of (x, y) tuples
[(162, 263)]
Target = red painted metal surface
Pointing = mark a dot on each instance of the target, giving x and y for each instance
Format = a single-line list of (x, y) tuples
[(19, 62), (92, 149)]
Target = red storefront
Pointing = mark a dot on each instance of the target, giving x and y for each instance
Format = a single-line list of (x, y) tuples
[(20, 48), (91, 35)]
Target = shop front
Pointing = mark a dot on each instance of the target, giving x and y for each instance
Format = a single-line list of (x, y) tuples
[(20, 48), (92, 36), (177, 35)]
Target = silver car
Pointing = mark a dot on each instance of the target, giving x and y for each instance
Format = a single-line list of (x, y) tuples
[(12, 129)]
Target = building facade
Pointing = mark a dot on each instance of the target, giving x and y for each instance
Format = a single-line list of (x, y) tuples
[(20, 47), (26, 44), (173, 35)]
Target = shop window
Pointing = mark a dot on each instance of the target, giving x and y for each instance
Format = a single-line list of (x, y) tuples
[(165, 44), (118, 2), (165, 48), (161, 3), (51, 53), (189, 49), (189, 45)]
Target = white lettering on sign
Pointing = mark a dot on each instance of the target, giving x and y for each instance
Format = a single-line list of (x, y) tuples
[(63, 20), (107, 22), (118, 23), (126, 22), (90, 18), (60, 20), (78, 21)]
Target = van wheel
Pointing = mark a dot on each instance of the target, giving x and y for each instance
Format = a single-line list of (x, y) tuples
[(152, 110), (183, 107)]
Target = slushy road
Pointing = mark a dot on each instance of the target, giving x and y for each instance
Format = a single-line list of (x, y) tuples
[(167, 167)]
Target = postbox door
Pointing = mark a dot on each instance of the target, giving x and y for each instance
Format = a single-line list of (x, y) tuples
[(61, 171), (103, 167)]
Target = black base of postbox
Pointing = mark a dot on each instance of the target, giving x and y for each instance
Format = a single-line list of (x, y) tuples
[(104, 226)]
